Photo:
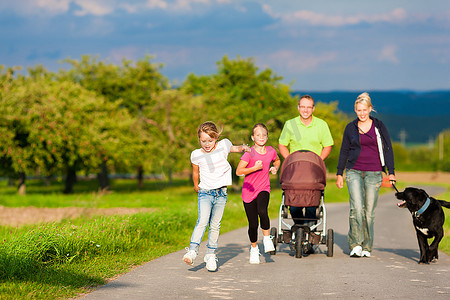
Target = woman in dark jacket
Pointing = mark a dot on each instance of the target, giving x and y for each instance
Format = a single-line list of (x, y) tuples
[(366, 151)]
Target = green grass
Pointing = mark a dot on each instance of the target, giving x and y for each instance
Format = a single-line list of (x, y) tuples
[(64, 259), (61, 260), (445, 242)]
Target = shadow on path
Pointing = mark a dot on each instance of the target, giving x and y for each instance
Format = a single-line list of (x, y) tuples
[(225, 252), (341, 241), (406, 253)]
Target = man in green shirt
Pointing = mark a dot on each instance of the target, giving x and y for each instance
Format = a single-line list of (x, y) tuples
[(305, 132)]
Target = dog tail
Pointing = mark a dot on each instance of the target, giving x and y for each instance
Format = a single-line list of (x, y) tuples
[(444, 203)]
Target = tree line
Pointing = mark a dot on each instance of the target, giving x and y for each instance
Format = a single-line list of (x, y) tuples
[(101, 118)]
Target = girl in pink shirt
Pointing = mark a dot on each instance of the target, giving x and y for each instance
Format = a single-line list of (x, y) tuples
[(256, 188)]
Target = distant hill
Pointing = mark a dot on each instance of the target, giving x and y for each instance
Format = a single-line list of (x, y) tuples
[(421, 115)]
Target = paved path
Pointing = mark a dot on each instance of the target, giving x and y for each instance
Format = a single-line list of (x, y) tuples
[(391, 272)]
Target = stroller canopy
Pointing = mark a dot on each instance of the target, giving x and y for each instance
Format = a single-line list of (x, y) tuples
[(303, 170)]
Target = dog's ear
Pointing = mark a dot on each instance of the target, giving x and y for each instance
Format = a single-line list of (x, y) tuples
[(425, 193), (400, 195)]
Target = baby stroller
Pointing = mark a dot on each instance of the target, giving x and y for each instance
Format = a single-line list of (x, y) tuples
[(303, 180)]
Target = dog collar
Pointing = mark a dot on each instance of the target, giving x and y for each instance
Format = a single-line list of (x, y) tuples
[(423, 208)]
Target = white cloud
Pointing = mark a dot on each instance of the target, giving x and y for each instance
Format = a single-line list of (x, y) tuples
[(55, 7), (94, 7), (293, 62), (389, 54), (268, 10), (318, 19), (156, 4), (177, 5), (33, 7), (187, 4), (149, 4)]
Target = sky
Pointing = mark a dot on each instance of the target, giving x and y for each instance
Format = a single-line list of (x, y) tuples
[(314, 45)]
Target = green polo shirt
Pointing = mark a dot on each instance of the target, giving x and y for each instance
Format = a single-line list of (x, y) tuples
[(313, 137)]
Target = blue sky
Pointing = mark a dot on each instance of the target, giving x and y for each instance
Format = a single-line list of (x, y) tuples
[(314, 45)]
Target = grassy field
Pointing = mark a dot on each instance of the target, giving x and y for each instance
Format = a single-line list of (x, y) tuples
[(65, 259)]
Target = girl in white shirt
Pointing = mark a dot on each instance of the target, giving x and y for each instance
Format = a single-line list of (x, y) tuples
[(211, 175)]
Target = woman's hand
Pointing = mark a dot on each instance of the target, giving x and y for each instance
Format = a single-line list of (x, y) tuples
[(392, 178), (258, 165), (340, 181)]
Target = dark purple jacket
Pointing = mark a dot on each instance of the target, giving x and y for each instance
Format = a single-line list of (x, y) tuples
[(351, 147)]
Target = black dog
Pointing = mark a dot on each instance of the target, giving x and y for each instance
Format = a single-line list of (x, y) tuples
[(428, 219)]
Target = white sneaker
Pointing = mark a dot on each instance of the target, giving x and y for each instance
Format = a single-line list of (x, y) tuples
[(254, 255), (365, 253), (211, 262), (189, 256), (356, 251), (268, 244)]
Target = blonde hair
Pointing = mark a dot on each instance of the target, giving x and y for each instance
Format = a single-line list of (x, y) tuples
[(364, 98), (210, 129)]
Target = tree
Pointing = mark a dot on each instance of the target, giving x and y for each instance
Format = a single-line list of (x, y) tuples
[(134, 85), (58, 127), (239, 96), (173, 122), (443, 150), (10, 138), (401, 156)]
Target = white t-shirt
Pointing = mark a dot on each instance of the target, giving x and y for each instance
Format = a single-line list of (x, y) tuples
[(214, 168)]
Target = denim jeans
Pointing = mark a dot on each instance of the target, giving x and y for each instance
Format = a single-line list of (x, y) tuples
[(363, 188), (211, 205), (297, 213)]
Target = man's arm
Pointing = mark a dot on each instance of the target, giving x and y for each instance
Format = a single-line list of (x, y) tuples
[(326, 139), (325, 152), (284, 151)]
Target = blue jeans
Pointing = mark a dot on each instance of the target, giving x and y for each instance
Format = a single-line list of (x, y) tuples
[(363, 188), (211, 205)]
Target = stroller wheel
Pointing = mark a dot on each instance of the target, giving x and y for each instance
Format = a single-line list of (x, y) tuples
[(287, 237), (299, 243), (273, 233), (330, 242)]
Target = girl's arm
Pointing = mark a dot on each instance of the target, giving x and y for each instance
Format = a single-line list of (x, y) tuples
[(195, 176), (276, 165), (243, 170), (241, 148)]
